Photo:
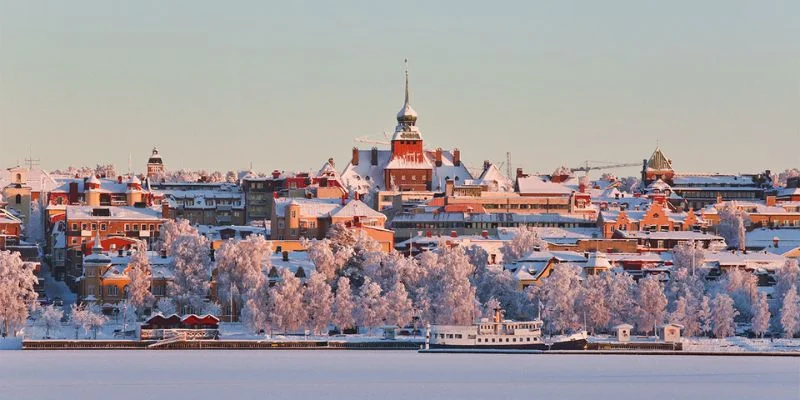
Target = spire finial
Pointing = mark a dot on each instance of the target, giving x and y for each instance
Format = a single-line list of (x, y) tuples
[(406, 100)]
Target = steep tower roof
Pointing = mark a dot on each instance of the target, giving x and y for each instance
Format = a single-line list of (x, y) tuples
[(658, 161), (406, 128)]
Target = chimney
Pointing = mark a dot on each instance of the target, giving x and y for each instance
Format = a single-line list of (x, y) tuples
[(771, 201), (275, 195), (438, 156), (428, 233), (520, 174), (486, 165), (453, 234), (485, 234), (775, 241), (457, 157), (119, 179), (354, 160), (163, 254), (330, 161), (276, 174), (120, 252), (344, 200), (165, 209), (448, 187), (73, 193), (285, 255), (374, 156)]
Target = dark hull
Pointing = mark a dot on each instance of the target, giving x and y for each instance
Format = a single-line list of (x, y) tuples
[(577, 344)]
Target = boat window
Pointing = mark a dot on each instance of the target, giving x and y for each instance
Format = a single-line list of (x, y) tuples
[(515, 339), (506, 340), (449, 335), (479, 340), (441, 335), (458, 336), (529, 339), (492, 340)]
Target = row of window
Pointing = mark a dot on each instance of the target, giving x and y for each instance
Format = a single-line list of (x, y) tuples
[(488, 225), (513, 340), (104, 227)]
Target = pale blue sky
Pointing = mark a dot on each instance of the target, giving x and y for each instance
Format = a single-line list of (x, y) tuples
[(288, 84)]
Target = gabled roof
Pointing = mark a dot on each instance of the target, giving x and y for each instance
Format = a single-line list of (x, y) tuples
[(356, 208), (496, 180), (536, 185), (658, 161)]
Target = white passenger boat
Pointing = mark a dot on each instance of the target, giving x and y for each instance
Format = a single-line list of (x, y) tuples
[(500, 334)]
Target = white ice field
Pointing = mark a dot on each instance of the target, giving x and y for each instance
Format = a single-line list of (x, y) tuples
[(235, 375)]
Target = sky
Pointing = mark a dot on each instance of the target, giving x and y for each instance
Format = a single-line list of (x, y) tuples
[(286, 85)]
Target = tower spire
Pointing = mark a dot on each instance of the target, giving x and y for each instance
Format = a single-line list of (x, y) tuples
[(406, 100)]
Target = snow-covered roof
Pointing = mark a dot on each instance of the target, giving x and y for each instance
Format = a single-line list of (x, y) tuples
[(356, 208), (116, 212), (671, 235), (536, 185), (495, 180), (308, 207), (763, 238), (713, 180), (37, 179)]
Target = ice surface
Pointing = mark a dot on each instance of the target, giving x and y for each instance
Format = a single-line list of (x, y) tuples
[(301, 374)]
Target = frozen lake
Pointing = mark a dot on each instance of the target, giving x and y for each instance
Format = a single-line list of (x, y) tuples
[(234, 375)]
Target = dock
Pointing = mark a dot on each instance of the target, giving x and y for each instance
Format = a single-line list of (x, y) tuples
[(177, 344)]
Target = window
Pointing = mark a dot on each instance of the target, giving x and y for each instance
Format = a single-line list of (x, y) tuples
[(74, 227), (18, 199), (135, 227), (152, 227), (94, 227), (103, 227), (127, 227), (112, 290), (83, 226), (74, 241)]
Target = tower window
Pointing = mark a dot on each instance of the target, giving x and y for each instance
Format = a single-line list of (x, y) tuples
[(18, 199)]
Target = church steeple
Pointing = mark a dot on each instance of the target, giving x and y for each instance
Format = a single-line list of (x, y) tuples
[(406, 116)]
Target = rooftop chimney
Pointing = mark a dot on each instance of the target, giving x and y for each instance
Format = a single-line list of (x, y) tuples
[(520, 174), (438, 156), (453, 234), (276, 174), (119, 179), (775, 241), (354, 160), (486, 165), (374, 156), (285, 255), (457, 157), (485, 234)]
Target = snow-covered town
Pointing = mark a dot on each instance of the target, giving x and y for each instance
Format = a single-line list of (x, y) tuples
[(400, 238), (309, 199)]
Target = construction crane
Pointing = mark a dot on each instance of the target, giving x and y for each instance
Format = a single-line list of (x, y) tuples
[(366, 139), (609, 165)]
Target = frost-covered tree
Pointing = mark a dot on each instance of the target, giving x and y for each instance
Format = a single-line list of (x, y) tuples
[(492, 281), (785, 278), (559, 294), (343, 305), (761, 315), (34, 230), (286, 302), (172, 229), (790, 313), (370, 305), (88, 317), (17, 294), (211, 308), (490, 307), (192, 271), (731, 225), (722, 316), (651, 304), (448, 293), (399, 308), (166, 306), (525, 241), (741, 286), (592, 301), (688, 255), (318, 302), (685, 314), (704, 315), (51, 318), (138, 271), (621, 288), (630, 184), (241, 267), (326, 261)]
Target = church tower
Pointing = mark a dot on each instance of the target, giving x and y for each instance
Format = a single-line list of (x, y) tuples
[(409, 168), (155, 165)]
